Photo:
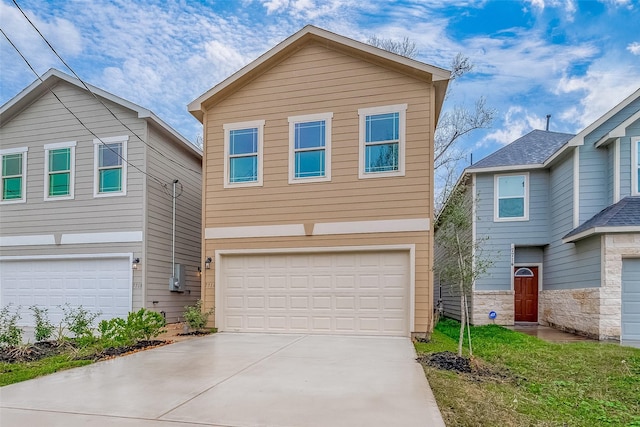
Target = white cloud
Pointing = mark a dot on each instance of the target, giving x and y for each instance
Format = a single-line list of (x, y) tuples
[(599, 90), (516, 122), (634, 48)]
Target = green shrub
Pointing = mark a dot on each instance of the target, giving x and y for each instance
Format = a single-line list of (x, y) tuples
[(145, 324), (43, 328), (139, 325), (79, 322), (195, 316), (10, 333)]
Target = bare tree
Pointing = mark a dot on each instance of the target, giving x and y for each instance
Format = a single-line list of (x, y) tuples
[(405, 47), (453, 124), (461, 257)]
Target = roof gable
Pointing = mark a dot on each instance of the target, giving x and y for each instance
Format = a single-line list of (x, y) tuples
[(289, 46), (532, 149), (40, 87)]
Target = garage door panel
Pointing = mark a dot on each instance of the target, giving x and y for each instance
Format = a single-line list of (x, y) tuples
[(355, 293), (98, 284)]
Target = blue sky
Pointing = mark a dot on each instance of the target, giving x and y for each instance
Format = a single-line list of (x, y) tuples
[(571, 59)]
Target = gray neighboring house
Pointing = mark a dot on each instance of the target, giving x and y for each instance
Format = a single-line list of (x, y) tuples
[(562, 217), (86, 216)]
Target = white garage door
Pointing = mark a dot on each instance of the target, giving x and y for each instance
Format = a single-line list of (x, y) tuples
[(98, 284), (340, 293), (631, 300)]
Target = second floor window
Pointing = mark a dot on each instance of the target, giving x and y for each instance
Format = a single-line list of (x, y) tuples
[(636, 167), (13, 165), (511, 197), (243, 153), (59, 166), (111, 166), (382, 141), (310, 148)]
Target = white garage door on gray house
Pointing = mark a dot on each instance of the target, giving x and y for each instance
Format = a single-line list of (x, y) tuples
[(98, 284)]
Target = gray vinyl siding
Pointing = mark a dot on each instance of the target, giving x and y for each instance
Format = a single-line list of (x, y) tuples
[(529, 255), (568, 265), (47, 122), (159, 225), (610, 173), (501, 235), (593, 181), (625, 166)]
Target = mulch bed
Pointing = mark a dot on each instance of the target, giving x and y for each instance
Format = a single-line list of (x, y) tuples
[(40, 350), (194, 333), (475, 369)]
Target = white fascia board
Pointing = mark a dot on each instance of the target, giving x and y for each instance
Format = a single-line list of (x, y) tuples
[(438, 74), (602, 230), (619, 131), (506, 168), (579, 138)]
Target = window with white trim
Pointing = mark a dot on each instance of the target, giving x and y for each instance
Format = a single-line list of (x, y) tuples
[(511, 197), (382, 141), (110, 166), (635, 173), (243, 153), (13, 172), (310, 148), (59, 170)]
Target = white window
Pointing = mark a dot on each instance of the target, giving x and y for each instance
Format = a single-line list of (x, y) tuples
[(59, 174), (13, 172), (511, 197), (310, 148), (110, 166), (382, 141), (635, 165), (243, 154)]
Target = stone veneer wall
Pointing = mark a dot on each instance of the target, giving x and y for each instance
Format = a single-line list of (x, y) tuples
[(502, 302), (572, 310), (595, 312)]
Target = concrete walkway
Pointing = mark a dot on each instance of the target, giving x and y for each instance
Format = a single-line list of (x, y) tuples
[(236, 380), (549, 334)]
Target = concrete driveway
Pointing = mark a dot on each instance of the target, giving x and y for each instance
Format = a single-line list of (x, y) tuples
[(236, 380)]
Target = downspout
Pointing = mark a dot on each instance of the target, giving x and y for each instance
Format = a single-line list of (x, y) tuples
[(173, 237)]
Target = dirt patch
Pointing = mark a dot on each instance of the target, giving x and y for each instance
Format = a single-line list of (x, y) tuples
[(475, 369), (111, 352), (40, 350), (194, 333)]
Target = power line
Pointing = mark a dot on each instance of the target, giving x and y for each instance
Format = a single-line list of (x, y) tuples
[(74, 115), (92, 93)]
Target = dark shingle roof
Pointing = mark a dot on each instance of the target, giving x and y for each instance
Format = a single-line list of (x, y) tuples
[(625, 213), (531, 149)]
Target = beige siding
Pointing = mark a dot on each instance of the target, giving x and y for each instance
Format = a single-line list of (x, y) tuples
[(159, 225), (316, 79), (47, 122), (302, 85)]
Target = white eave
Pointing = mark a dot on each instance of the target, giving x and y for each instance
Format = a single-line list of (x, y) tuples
[(506, 168), (601, 230), (619, 131), (49, 79), (441, 75)]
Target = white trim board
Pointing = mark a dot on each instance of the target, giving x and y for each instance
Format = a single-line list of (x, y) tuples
[(111, 237), (320, 229), (30, 240)]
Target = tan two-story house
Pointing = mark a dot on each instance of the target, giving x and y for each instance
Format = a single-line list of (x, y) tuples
[(318, 190)]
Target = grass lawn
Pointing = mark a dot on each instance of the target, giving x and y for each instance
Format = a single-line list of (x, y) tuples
[(574, 384), (15, 372)]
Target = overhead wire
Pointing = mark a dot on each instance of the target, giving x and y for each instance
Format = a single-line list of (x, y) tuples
[(86, 86)]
